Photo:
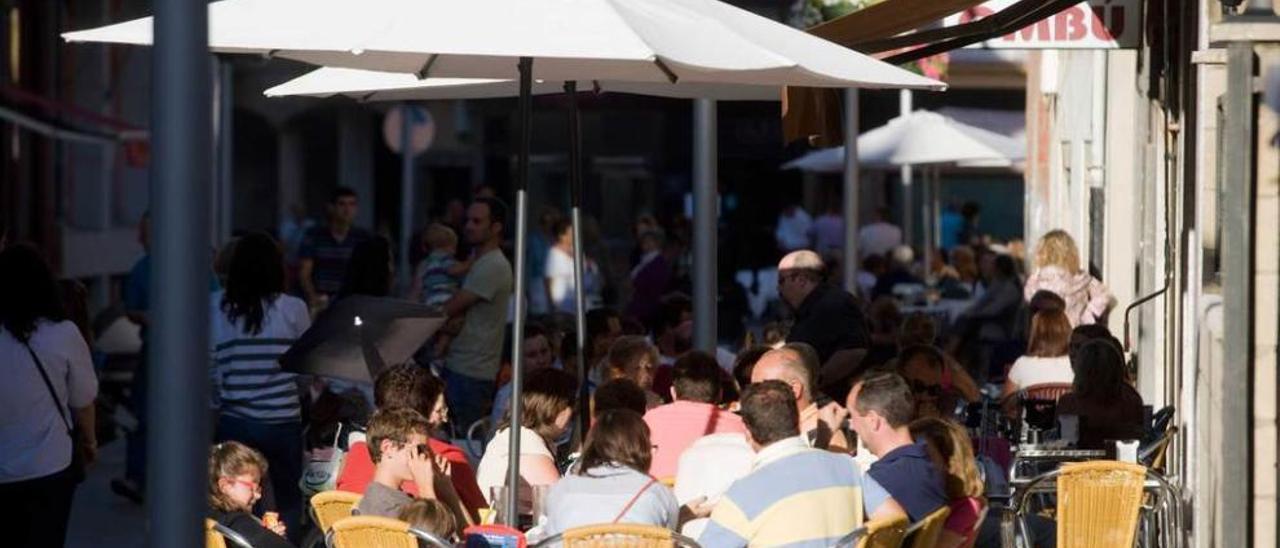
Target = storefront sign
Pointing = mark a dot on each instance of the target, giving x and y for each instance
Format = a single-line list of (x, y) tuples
[(1096, 24)]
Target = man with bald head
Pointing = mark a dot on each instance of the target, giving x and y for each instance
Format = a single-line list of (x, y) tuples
[(796, 364), (827, 318)]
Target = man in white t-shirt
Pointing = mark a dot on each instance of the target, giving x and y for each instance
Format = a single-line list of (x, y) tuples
[(793, 229), (880, 236), (559, 272)]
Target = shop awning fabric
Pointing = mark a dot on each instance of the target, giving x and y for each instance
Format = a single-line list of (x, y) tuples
[(815, 114)]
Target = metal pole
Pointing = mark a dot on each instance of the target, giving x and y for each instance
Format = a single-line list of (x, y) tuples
[(406, 194), (705, 212), (226, 150), (575, 209), (851, 188), (517, 356), (908, 227), (926, 194), (182, 130)]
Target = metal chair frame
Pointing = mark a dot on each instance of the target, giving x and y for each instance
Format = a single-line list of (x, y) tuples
[(1167, 507), (231, 535)]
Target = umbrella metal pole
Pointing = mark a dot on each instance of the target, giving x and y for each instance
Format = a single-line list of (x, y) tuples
[(517, 356), (705, 211), (181, 174), (908, 227), (579, 292), (851, 188), (926, 195), (406, 196)]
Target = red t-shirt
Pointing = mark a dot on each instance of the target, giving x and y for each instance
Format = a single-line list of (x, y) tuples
[(963, 520), (357, 472)]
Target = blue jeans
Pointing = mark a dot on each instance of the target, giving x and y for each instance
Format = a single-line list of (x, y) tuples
[(281, 444), (469, 400)]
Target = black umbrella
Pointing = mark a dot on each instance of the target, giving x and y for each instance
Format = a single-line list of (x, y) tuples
[(358, 336)]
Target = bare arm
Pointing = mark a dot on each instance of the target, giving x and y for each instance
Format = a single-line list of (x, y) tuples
[(538, 470), (305, 269), (950, 540), (963, 383), (84, 419), (460, 302), (889, 509)]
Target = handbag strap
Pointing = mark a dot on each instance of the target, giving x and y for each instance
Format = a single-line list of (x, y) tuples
[(45, 376), (633, 500)]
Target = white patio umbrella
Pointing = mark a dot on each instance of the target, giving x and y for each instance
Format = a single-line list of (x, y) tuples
[(654, 41), (922, 138)]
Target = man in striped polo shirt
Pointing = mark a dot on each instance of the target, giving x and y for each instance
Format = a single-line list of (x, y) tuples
[(795, 495)]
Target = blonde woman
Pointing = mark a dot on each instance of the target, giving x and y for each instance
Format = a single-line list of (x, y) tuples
[(1057, 269), (949, 447)]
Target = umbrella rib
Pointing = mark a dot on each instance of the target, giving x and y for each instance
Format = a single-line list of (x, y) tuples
[(671, 75), (426, 67)]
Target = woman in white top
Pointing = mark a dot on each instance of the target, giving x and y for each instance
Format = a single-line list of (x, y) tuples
[(559, 273), (49, 388), (252, 323), (610, 484), (1046, 360), (547, 404)]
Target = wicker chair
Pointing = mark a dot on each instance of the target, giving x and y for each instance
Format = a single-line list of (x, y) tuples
[(330, 506), (881, 533), (1098, 504), (618, 535), (216, 535), (926, 532), (367, 531)]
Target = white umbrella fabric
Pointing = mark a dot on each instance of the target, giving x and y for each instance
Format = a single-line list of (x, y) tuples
[(654, 41), (574, 40), (371, 85), (921, 137)]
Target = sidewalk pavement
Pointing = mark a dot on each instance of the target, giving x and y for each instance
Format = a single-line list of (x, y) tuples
[(100, 518)]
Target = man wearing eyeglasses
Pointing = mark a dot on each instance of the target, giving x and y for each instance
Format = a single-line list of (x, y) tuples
[(826, 317)]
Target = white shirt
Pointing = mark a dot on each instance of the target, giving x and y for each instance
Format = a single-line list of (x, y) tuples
[(559, 273), (492, 471), (707, 469), (247, 379), (878, 239), (1030, 371), (793, 232), (33, 439)]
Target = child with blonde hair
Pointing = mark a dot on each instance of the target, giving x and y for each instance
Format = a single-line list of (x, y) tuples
[(236, 473), (1057, 269)]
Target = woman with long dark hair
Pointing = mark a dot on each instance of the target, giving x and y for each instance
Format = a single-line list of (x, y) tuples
[(612, 483), (252, 323), (1107, 407), (46, 403)]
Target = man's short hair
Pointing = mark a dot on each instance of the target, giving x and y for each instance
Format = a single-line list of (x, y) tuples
[(769, 411), (407, 385), (922, 353), (696, 377), (671, 309), (396, 425), (342, 192), (889, 395), (536, 329), (805, 367), (620, 393), (497, 209)]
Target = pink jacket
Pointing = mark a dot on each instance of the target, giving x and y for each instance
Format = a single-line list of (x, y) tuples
[(1088, 300)]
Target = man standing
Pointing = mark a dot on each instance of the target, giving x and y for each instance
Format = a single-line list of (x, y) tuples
[(793, 229), (826, 317), (326, 249), (795, 495), (880, 236), (881, 408), (796, 365), (474, 355)]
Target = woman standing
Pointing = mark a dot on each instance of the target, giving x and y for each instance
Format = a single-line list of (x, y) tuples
[(46, 403), (1057, 269), (252, 323)]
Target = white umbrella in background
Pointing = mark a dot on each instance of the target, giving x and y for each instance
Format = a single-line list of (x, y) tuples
[(654, 41), (928, 139)]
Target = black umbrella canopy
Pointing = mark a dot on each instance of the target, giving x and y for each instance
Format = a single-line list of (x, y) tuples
[(358, 336)]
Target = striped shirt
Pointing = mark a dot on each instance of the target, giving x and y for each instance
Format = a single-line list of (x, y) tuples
[(246, 375), (795, 496)]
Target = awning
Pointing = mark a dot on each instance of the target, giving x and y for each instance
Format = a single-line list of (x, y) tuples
[(815, 114)]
